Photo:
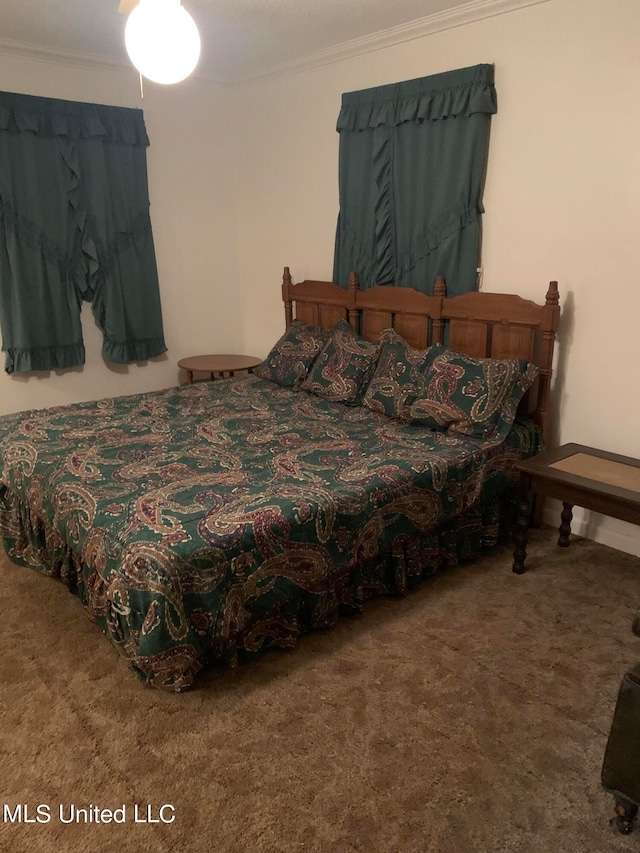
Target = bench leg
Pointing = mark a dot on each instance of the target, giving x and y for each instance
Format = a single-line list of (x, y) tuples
[(565, 525), (522, 526)]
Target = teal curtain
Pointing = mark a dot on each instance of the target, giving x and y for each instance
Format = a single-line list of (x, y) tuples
[(411, 176), (74, 226)]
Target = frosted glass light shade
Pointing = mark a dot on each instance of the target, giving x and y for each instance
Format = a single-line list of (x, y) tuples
[(162, 40)]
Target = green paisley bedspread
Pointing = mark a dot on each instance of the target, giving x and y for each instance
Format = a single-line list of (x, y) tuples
[(213, 520)]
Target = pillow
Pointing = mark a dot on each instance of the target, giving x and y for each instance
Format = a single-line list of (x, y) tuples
[(290, 359), (344, 367), (472, 396), (398, 376)]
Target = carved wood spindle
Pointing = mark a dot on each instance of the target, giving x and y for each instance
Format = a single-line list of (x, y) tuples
[(288, 304), (549, 327), (553, 296), (437, 323), (520, 535), (353, 287), (565, 525), (544, 389), (439, 288)]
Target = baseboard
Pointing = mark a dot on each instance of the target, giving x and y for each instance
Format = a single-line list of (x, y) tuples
[(600, 528)]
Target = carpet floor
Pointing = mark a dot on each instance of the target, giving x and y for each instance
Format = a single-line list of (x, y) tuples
[(470, 716)]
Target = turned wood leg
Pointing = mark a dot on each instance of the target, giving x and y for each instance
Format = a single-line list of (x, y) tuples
[(522, 526), (565, 525), (626, 812)]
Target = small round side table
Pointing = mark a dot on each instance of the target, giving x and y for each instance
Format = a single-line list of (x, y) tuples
[(217, 365)]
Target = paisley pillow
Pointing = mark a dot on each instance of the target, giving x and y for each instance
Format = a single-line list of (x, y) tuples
[(472, 396), (343, 368), (398, 376), (290, 359)]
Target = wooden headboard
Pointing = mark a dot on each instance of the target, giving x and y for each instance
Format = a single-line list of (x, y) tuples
[(495, 325)]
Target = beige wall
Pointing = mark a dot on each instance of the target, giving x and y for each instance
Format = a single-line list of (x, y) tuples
[(232, 205), (562, 196), (192, 186)]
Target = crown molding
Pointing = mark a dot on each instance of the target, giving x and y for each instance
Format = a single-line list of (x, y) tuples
[(25, 50), (468, 13), (39, 53)]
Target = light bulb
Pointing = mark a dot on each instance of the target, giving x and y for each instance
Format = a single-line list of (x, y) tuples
[(162, 40)]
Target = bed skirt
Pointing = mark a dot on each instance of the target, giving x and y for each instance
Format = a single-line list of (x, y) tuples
[(31, 542)]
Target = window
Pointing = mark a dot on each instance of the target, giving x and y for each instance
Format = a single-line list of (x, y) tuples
[(74, 226), (411, 173)]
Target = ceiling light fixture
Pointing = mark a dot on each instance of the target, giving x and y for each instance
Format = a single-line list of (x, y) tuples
[(162, 40)]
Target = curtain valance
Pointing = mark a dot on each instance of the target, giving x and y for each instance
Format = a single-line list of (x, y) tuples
[(75, 120), (459, 93)]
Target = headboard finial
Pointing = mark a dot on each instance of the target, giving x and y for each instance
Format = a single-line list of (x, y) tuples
[(552, 297), (440, 287), (286, 297), (354, 281)]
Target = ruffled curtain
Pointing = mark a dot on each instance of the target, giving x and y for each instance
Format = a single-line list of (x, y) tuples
[(74, 226), (412, 168)]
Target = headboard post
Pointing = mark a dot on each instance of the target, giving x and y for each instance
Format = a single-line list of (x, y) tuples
[(549, 326), (286, 297), (353, 287), (437, 323)]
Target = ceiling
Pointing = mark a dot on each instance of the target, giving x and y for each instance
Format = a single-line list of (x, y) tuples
[(241, 39)]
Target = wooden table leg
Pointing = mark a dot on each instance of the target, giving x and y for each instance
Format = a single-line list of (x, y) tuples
[(189, 377), (522, 525), (565, 525)]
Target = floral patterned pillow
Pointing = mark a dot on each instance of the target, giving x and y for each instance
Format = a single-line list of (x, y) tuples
[(472, 396), (398, 376), (344, 367), (290, 359)]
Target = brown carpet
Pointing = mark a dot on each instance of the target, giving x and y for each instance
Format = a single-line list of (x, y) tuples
[(471, 715)]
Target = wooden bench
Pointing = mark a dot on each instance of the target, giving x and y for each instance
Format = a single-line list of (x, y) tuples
[(577, 475)]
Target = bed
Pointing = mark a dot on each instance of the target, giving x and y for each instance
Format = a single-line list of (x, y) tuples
[(208, 522)]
